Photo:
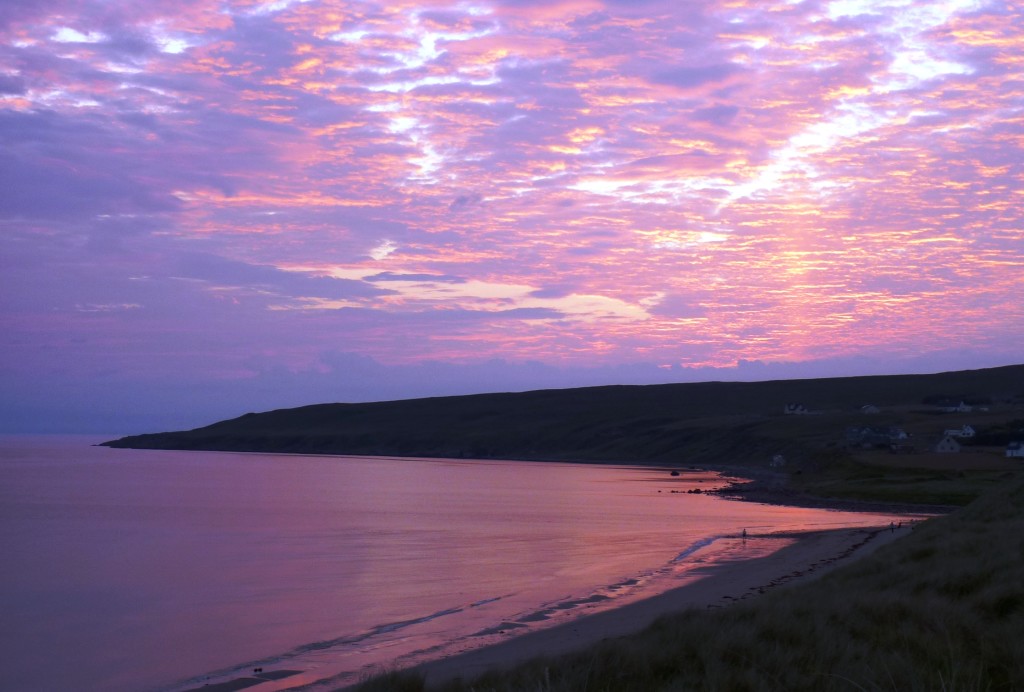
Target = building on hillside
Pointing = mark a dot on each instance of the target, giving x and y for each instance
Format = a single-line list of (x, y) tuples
[(947, 445), (1015, 449), (964, 432), (794, 409)]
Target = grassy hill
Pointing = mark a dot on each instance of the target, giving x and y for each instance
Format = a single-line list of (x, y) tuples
[(713, 425)]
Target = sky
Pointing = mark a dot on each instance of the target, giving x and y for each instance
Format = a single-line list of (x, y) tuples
[(209, 207)]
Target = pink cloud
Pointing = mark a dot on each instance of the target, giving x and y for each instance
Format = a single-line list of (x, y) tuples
[(579, 183)]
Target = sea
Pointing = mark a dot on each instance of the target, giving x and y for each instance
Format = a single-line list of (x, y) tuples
[(164, 571)]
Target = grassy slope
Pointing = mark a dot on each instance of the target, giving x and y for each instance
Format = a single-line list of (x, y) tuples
[(711, 425), (921, 476), (940, 609)]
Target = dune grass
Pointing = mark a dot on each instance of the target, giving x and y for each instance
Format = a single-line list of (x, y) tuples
[(940, 609)]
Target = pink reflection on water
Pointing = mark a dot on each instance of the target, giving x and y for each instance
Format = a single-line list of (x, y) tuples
[(138, 569), (466, 553)]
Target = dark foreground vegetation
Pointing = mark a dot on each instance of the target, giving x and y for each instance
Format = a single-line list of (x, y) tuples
[(939, 609), (735, 426)]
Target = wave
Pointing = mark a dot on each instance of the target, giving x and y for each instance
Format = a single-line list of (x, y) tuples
[(546, 612), (323, 645), (694, 547)]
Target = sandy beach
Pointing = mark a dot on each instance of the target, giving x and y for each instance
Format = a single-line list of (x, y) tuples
[(811, 555), (805, 555)]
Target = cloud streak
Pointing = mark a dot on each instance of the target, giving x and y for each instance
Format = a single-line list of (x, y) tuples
[(187, 186)]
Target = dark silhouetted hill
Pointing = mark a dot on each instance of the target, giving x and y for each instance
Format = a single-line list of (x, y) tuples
[(692, 423)]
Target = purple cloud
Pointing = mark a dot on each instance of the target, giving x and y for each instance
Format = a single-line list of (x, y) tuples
[(211, 192)]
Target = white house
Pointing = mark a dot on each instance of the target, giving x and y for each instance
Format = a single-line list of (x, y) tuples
[(966, 431), (948, 445), (1015, 449)]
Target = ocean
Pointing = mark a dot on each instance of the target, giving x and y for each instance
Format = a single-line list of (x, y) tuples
[(164, 571)]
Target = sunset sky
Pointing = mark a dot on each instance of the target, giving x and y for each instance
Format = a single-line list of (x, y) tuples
[(209, 207)]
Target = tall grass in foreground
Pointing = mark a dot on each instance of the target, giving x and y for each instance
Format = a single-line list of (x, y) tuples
[(941, 609)]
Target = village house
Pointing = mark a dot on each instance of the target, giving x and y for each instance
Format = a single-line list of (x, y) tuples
[(965, 432), (1015, 449), (947, 445), (794, 409)]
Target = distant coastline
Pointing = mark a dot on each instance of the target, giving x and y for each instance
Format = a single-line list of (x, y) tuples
[(792, 437), (699, 424)]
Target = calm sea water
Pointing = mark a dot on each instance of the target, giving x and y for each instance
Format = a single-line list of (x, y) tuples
[(151, 570)]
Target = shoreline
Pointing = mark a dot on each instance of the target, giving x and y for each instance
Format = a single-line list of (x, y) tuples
[(811, 555), (808, 555), (770, 488)]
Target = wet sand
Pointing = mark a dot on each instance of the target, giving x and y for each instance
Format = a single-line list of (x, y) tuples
[(257, 678), (810, 556)]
